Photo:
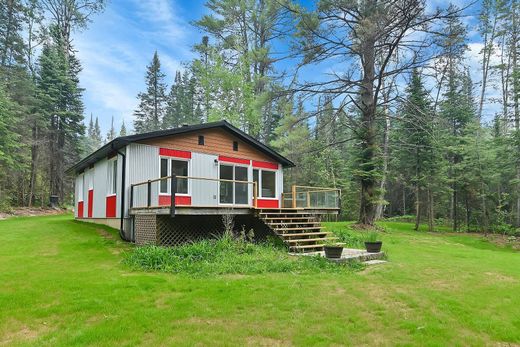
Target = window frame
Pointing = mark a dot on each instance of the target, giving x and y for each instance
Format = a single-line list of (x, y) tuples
[(259, 184), (233, 165), (169, 173), (112, 177), (81, 188)]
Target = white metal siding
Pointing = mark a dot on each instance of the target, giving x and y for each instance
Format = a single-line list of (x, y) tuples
[(279, 183), (204, 193), (100, 189), (143, 166)]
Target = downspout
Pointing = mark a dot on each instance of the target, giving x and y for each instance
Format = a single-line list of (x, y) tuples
[(122, 200)]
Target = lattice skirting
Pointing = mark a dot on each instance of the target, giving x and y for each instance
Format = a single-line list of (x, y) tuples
[(164, 230)]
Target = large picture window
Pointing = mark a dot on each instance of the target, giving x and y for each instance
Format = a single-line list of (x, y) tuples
[(171, 167), (266, 183)]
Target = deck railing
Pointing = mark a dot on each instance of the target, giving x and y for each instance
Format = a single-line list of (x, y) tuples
[(142, 193), (312, 198), (150, 194)]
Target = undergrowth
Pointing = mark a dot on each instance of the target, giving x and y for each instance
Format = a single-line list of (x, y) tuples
[(228, 255)]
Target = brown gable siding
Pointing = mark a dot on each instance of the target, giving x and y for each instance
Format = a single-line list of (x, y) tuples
[(216, 141)]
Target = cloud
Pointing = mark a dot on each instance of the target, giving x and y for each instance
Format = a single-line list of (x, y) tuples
[(117, 47)]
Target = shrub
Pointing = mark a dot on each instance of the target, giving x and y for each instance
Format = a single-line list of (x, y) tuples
[(226, 255)]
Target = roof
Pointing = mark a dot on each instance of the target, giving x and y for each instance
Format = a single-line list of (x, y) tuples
[(120, 142)]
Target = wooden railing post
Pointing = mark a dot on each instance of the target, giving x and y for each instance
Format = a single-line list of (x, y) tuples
[(293, 196), (173, 190), (131, 196), (308, 199), (255, 195), (149, 193)]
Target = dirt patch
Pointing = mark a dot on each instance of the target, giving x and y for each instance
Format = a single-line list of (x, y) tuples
[(31, 212), (500, 277), (23, 333), (505, 240), (105, 234), (366, 227), (266, 341)]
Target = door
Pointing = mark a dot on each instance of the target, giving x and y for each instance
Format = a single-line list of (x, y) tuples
[(233, 192)]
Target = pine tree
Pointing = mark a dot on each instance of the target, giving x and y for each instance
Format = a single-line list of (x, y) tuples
[(414, 137), (111, 132), (61, 105), (97, 138), (152, 103), (122, 131), (11, 42)]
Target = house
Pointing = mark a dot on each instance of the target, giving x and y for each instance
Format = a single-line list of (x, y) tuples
[(172, 186)]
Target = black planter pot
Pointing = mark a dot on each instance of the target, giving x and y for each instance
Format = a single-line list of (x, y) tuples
[(373, 247), (333, 251)]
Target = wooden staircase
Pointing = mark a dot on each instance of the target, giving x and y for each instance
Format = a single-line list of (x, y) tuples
[(300, 230)]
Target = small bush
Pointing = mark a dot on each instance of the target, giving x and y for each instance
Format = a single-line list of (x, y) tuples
[(226, 255)]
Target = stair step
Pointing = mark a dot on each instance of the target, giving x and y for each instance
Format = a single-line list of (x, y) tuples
[(292, 223), (307, 246), (291, 218), (306, 234), (312, 240), (300, 228)]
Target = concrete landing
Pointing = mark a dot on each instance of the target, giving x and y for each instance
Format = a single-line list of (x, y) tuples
[(350, 254)]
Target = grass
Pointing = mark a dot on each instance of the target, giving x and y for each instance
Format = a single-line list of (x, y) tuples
[(64, 283), (227, 255)]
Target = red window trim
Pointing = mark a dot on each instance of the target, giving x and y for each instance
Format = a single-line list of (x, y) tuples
[(234, 160), (174, 153), (265, 165)]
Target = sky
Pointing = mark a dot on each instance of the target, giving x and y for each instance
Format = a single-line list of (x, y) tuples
[(119, 43)]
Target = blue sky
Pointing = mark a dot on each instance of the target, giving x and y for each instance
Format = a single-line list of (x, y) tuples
[(116, 47), (120, 42)]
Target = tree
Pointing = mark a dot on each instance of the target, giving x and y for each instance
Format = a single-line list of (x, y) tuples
[(122, 131), (366, 34), (414, 137), (61, 105), (111, 132), (152, 103)]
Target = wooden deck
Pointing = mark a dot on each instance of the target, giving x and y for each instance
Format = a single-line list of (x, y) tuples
[(225, 210)]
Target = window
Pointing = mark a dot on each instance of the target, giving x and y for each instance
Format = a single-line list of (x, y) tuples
[(180, 168), (170, 167), (201, 140), (112, 177), (266, 183), (164, 173), (81, 182), (235, 145)]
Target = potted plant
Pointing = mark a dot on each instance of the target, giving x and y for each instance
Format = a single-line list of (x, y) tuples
[(333, 249), (372, 243)]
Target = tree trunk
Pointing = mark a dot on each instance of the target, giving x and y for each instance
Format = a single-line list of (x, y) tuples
[(368, 134), (382, 184), (417, 207), (431, 215), (34, 166)]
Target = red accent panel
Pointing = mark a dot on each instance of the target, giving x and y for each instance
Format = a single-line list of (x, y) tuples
[(267, 203), (165, 200), (80, 209), (265, 165), (110, 211), (234, 160), (90, 202), (174, 153)]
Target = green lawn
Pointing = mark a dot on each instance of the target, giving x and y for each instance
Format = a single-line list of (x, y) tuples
[(63, 283)]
